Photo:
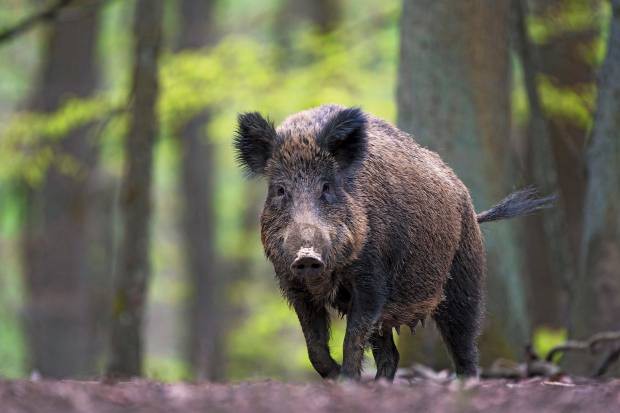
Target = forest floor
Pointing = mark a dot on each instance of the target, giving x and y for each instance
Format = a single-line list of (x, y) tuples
[(532, 395)]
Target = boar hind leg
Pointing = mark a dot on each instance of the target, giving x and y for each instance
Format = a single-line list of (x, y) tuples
[(385, 353), (459, 315), (315, 325)]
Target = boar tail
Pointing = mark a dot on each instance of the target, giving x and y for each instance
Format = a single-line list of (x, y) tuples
[(522, 202)]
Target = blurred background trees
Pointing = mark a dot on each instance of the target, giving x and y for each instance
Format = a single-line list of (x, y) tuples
[(60, 212), (510, 93)]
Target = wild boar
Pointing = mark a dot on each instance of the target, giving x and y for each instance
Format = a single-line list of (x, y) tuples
[(360, 218)]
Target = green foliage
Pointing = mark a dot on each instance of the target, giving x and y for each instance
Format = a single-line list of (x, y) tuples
[(568, 103), (547, 338), (577, 18), (519, 101), (12, 206), (12, 345), (27, 147), (166, 369), (568, 15)]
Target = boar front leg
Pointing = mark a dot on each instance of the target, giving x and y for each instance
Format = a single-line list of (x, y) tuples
[(366, 307), (314, 322)]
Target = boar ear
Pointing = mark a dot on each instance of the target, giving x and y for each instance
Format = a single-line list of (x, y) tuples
[(254, 142), (344, 137)]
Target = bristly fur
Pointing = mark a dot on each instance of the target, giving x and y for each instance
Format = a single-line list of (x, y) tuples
[(254, 142), (344, 136), (522, 202)]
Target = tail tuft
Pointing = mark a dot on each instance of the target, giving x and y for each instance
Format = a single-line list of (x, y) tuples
[(523, 202)]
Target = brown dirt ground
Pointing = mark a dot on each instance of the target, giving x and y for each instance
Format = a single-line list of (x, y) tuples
[(533, 395)]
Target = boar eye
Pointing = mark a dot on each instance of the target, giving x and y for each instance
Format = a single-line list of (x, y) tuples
[(326, 194), (280, 190)]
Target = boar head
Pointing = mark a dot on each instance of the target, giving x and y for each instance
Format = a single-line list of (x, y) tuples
[(313, 223)]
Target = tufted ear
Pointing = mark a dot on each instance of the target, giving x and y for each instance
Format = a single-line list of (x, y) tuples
[(344, 136), (254, 142)]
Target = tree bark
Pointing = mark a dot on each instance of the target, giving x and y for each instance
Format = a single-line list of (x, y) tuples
[(597, 289), (454, 97), (134, 267), (55, 251)]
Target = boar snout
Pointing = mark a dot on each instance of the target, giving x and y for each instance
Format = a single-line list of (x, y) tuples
[(307, 245), (307, 263)]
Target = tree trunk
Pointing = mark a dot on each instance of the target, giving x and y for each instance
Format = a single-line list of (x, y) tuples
[(543, 256), (208, 289), (597, 298), (134, 268), (60, 212), (205, 351), (454, 97), (561, 61)]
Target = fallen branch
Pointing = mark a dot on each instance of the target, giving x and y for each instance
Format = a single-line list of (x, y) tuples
[(535, 366), (593, 344), (47, 14), (607, 362)]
